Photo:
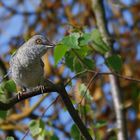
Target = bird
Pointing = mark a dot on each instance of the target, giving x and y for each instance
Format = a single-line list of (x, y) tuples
[(26, 64)]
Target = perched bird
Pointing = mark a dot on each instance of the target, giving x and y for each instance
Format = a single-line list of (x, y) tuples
[(26, 65)]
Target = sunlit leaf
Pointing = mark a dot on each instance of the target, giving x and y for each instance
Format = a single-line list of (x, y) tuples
[(10, 138), (35, 127), (71, 41), (3, 98), (1, 89), (100, 124), (44, 133), (83, 51), (98, 44), (59, 52), (85, 39), (85, 92)]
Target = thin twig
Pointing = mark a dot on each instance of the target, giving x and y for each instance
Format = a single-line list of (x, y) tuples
[(75, 76), (120, 76), (104, 73), (49, 106), (27, 132), (89, 84)]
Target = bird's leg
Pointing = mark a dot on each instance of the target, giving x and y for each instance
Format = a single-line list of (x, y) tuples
[(20, 93), (41, 87), (23, 89)]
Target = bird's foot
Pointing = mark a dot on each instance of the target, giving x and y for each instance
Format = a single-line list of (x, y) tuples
[(41, 87), (20, 93)]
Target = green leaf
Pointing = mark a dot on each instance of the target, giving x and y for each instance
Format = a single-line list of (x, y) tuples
[(44, 133), (10, 138), (75, 133), (3, 114), (59, 52), (135, 91), (83, 51), (3, 98), (54, 137), (41, 137), (74, 63), (71, 41), (77, 65), (41, 124), (69, 61), (100, 124), (89, 63), (10, 86), (85, 39), (85, 108), (96, 34), (34, 127), (85, 92), (114, 62), (113, 138), (1, 89), (98, 44)]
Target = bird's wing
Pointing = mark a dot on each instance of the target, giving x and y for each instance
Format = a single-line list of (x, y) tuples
[(12, 57), (42, 63)]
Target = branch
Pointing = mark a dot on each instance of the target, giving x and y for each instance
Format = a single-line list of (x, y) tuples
[(12, 126), (73, 112), (25, 95), (49, 107), (97, 6), (89, 84), (14, 11), (63, 94), (104, 73)]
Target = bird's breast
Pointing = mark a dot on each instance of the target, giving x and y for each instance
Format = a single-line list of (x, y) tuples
[(27, 72)]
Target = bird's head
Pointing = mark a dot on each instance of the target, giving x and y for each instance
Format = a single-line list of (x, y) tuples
[(39, 44)]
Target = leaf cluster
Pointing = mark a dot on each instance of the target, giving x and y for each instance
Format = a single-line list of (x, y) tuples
[(77, 50)]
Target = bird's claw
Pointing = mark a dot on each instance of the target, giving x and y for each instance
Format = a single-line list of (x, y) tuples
[(19, 95), (41, 87)]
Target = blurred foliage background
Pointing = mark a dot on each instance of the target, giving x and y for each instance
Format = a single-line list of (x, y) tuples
[(20, 19)]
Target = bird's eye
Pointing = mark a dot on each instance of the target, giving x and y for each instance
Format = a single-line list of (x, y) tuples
[(38, 41)]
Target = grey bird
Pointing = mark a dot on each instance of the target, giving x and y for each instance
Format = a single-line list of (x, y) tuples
[(26, 65)]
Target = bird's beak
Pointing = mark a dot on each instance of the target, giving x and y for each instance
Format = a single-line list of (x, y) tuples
[(49, 44)]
